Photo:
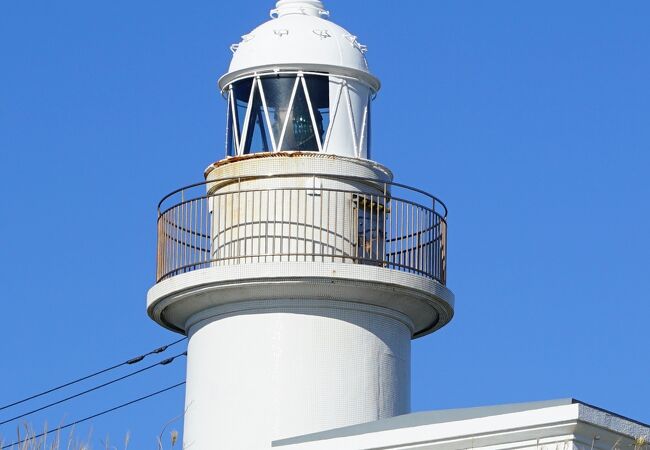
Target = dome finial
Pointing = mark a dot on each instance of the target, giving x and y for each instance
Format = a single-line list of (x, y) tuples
[(306, 7)]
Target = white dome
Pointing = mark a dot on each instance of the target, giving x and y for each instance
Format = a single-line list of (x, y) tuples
[(299, 38)]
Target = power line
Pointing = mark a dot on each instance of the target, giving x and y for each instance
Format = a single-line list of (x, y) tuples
[(164, 362), (131, 361), (85, 419)]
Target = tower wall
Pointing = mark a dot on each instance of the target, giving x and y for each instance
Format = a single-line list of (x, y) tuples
[(317, 217), (265, 370)]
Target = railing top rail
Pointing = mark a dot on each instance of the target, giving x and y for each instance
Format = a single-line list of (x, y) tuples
[(393, 197), (433, 198)]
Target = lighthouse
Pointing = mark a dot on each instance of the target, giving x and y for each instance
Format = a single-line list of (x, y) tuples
[(299, 268)]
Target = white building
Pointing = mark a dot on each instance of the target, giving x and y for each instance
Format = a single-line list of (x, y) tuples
[(551, 425), (300, 270)]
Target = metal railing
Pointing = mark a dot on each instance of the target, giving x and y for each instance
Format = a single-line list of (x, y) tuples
[(301, 218)]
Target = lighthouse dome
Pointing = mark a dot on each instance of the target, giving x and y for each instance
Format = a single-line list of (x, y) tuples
[(300, 37)]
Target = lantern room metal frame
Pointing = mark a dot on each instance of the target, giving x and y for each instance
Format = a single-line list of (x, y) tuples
[(238, 137)]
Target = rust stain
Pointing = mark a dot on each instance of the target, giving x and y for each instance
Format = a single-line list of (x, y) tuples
[(283, 154)]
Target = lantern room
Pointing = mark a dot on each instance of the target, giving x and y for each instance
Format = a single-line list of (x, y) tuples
[(299, 82)]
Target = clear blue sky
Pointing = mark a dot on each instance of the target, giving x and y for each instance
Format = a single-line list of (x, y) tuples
[(531, 120)]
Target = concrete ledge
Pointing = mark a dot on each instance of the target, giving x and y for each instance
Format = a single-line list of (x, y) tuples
[(428, 304)]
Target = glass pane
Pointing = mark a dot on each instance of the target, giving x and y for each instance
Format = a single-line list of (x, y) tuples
[(258, 139), (299, 134), (277, 92), (242, 93), (319, 94), (256, 134)]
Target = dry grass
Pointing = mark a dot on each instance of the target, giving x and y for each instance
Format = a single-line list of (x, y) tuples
[(27, 438)]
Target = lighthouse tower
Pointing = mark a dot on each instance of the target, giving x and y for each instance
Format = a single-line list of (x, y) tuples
[(299, 269)]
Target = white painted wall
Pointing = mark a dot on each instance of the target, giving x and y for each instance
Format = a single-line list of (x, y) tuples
[(266, 370)]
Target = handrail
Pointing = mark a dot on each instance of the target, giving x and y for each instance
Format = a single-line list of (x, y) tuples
[(361, 223), (435, 199), (392, 197)]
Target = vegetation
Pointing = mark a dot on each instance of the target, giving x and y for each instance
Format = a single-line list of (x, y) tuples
[(29, 439)]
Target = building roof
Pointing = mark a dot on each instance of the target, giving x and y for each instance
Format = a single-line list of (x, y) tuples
[(560, 411)]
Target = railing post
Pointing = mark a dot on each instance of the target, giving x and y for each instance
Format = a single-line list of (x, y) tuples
[(313, 217), (238, 241)]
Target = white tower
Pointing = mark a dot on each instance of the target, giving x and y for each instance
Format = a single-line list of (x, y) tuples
[(299, 269)]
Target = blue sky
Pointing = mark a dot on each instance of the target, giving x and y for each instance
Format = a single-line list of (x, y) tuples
[(529, 119)]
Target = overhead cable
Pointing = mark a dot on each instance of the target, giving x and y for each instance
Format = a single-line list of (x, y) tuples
[(164, 362), (131, 361), (85, 419)]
